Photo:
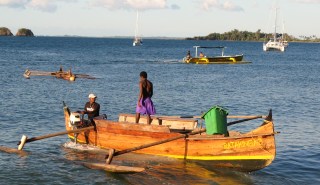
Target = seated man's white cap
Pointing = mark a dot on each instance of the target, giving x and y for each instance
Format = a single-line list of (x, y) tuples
[(92, 95)]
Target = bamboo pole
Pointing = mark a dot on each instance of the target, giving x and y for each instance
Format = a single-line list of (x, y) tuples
[(243, 120), (54, 134), (199, 117), (245, 117)]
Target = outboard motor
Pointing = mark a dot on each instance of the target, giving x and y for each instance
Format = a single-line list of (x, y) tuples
[(75, 121)]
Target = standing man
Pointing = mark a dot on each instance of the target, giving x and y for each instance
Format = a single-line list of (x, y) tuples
[(92, 108), (145, 104)]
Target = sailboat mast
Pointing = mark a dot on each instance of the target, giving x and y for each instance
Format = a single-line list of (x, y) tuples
[(275, 27), (137, 27), (283, 30)]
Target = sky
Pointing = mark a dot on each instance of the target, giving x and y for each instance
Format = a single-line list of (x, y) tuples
[(159, 18)]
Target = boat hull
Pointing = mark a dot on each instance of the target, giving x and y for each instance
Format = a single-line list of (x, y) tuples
[(66, 75), (274, 46), (235, 59), (249, 152), (136, 44)]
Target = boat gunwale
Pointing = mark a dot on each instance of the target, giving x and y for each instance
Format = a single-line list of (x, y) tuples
[(233, 137), (194, 137), (161, 117)]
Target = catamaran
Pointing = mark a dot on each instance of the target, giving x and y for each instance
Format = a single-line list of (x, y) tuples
[(275, 43), (137, 41)]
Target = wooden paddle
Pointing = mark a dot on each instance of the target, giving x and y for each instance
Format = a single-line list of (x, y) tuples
[(112, 153), (23, 141)]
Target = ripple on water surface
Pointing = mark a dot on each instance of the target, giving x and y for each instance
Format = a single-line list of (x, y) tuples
[(286, 82)]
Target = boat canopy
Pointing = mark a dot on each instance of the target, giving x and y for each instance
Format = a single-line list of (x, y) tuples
[(209, 47)]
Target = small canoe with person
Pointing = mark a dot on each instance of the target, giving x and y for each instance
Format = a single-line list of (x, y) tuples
[(66, 75), (201, 58), (182, 138)]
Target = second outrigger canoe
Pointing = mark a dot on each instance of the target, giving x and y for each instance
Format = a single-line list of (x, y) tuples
[(246, 152), (223, 59), (66, 75)]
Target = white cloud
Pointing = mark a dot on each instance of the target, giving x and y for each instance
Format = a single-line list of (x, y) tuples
[(14, 3), (42, 5), (226, 5), (308, 1), (52, 5), (132, 4), (175, 7)]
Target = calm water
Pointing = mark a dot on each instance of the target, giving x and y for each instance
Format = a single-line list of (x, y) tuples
[(286, 82)]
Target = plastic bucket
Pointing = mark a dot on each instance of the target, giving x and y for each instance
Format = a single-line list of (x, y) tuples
[(216, 121)]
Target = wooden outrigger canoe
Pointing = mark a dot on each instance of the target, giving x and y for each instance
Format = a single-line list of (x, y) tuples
[(242, 152), (66, 75)]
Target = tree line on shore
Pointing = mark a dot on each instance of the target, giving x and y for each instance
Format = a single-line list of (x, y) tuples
[(236, 35)]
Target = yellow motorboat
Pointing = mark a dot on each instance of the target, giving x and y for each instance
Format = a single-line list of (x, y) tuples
[(223, 59)]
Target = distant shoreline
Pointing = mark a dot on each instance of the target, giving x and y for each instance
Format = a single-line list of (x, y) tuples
[(115, 37), (238, 35), (160, 38)]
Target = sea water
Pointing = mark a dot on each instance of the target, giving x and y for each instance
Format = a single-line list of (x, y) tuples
[(288, 83)]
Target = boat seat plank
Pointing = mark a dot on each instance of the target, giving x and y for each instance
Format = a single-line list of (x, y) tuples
[(172, 123), (110, 125)]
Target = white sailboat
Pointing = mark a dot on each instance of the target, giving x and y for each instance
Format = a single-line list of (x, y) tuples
[(137, 41), (275, 43)]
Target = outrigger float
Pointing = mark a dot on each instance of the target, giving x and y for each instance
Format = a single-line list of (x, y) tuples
[(223, 59), (181, 138), (101, 166), (66, 75)]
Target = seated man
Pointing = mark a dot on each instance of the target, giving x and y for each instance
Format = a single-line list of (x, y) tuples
[(201, 55), (188, 56), (92, 108)]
